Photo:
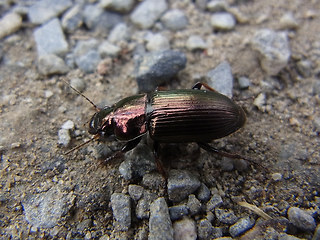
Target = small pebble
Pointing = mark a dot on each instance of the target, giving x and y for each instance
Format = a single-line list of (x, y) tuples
[(260, 101), (244, 82), (178, 211), (122, 6), (217, 6), (301, 219), (69, 125), (51, 30), (227, 164), (241, 226), (135, 191), (288, 21), (10, 23), (72, 19), (119, 33), (143, 205), (273, 48), (64, 137), (203, 193), (153, 180), (276, 176), (223, 21), (185, 229), (195, 42), (194, 205), (44, 10), (51, 64), (156, 68), (181, 183), (148, 12), (121, 209), (205, 229), (108, 49), (157, 42), (159, 222), (214, 202), (304, 68), (175, 20), (226, 216), (78, 83), (220, 78)]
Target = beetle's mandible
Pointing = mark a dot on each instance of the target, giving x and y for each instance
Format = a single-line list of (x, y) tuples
[(174, 116)]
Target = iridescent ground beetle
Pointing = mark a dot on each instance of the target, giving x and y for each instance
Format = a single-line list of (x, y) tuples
[(173, 116)]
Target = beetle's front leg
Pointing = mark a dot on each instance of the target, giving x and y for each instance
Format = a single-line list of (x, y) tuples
[(127, 147), (198, 86)]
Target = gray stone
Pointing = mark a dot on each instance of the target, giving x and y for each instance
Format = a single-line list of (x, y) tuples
[(85, 46), (138, 162), (69, 125), (122, 6), (97, 19), (153, 180), (304, 68), (72, 19), (227, 164), (202, 4), (301, 219), (51, 64), (135, 191), (175, 20), (157, 42), (204, 229), (244, 82), (44, 10), (225, 216), (119, 33), (214, 202), (148, 12), (50, 39), (185, 229), (217, 6), (89, 61), (284, 236), (203, 193), (287, 21), (108, 49), (78, 83), (46, 209), (316, 235), (220, 78), (241, 226), (178, 211), (121, 209), (273, 48), (218, 232), (160, 226), (64, 137), (84, 225), (156, 68), (10, 23), (223, 21), (195, 42), (181, 183), (143, 205), (240, 164), (194, 205)]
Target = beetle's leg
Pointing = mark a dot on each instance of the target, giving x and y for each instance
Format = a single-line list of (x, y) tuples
[(209, 148), (130, 145), (198, 86), (156, 150), (127, 147)]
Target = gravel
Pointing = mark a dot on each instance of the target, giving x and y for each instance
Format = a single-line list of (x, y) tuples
[(301, 219), (121, 208)]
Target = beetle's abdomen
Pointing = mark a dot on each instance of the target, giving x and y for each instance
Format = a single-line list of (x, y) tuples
[(192, 116)]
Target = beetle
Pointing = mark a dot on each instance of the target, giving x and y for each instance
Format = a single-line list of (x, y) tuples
[(172, 116)]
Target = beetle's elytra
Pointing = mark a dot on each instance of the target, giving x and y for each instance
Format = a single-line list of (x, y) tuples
[(174, 116)]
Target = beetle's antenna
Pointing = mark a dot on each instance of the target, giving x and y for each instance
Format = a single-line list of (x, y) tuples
[(95, 137), (81, 94)]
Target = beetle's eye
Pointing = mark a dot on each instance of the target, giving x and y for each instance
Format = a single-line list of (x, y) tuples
[(93, 124)]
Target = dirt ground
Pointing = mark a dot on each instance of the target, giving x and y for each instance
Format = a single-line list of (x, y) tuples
[(283, 139)]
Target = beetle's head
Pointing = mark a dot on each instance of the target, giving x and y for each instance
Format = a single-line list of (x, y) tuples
[(98, 121)]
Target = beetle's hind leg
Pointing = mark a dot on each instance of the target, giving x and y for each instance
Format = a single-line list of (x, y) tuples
[(198, 86), (127, 147)]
